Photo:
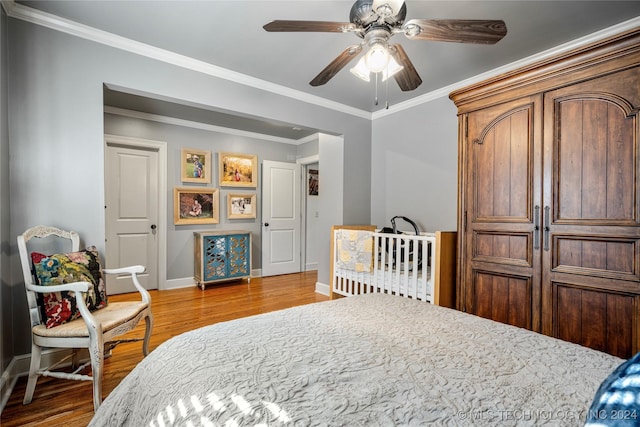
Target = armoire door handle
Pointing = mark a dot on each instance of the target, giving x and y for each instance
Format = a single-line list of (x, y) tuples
[(536, 227), (547, 228)]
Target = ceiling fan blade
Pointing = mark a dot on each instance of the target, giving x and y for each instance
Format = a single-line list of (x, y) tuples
[(407, 78), (456, 30), (336, 65), (310, 26)]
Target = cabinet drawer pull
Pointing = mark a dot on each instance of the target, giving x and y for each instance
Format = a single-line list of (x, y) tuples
[(547, 228), (536, 228)]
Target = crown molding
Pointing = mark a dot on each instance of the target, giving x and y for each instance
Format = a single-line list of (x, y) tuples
[(529, 60), (34, 16), (57, 23)]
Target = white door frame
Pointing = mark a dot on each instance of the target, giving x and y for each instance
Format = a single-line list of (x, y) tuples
[(161, 147), (266, 252), (304, 162)]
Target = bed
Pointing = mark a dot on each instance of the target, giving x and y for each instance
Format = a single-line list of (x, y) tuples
[(367, 360)]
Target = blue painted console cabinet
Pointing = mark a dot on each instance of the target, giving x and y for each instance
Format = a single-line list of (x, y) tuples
[(221, 255)]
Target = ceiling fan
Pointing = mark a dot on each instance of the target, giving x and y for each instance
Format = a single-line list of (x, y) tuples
[(376, 21)]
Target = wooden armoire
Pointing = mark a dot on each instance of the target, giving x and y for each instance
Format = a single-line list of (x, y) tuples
[(549, 196)]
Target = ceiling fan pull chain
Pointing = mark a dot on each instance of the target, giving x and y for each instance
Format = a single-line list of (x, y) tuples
[(376, 100), (386, 88)]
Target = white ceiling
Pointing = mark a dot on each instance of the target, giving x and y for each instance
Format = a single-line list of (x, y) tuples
[(229, 34)]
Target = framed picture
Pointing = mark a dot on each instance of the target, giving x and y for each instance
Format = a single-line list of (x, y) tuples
[(195, 165), (241, 205), (313, 182), (196, 205), (238, 170)]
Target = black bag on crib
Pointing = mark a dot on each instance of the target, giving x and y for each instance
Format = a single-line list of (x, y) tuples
[(393, 251)]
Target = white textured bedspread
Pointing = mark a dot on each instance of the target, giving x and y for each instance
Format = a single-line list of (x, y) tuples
[(370, 360)]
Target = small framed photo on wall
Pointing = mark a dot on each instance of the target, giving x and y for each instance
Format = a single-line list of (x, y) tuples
[(241, 205), (196, 205), (313, 182), (238, 170), (195, 165)]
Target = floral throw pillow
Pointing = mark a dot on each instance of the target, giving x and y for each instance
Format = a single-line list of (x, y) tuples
[(57, 308)]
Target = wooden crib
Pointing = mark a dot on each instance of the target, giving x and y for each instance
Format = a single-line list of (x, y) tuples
[(414, 266)]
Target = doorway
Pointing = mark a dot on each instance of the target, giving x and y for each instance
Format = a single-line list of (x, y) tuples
[(310, 193), (135, 221)]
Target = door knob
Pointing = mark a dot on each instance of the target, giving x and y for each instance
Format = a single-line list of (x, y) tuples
[(153, 226), (266, 224)]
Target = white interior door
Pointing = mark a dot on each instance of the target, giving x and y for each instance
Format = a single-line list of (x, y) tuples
[(132, 194), (280, 218)]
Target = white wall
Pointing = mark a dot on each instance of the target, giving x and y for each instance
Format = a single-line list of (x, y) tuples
[(331, 198), (312, 211), (414, 161)]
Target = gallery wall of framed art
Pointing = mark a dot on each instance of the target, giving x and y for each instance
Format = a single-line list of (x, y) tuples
[(201, 205)]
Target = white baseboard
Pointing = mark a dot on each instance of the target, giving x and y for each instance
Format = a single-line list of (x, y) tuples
[(322, 288), (19, 366), (7, 383), (185, 282), (311, 266)]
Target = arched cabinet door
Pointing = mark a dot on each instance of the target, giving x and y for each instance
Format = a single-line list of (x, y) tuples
[(549, 196), (591, 241), (502, 272)]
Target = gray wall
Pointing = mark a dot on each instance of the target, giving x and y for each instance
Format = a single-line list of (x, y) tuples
[(414, 159), (180, 237), (56, 128)]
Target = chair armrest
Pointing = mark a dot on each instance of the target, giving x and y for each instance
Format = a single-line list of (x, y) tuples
[(122, 270), (74, 287), (78, 289), (133, 270)]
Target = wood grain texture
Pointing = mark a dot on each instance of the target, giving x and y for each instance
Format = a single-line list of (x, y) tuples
[(69, 403), (459, 30), (550, 160), (308, 26), (336, 65)]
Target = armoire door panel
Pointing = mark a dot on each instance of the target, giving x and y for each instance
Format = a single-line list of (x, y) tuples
[(499, 247), (502, 158), (503, 298), (549, 158), (592, 188), (596, 256), (594, 144), (500, 213), (593, 318)]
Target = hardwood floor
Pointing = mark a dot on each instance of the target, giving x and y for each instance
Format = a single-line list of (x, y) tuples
[(69, 403)]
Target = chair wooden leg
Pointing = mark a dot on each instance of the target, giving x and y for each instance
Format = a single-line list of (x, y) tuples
[(147, 334), (36, 351), (97, 367)]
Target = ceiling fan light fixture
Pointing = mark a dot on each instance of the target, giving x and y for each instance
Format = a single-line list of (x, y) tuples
[(361, 71), (387, 8), (392, 68), (377, 58)]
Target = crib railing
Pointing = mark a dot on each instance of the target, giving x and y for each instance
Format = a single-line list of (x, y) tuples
[(402, 265)]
